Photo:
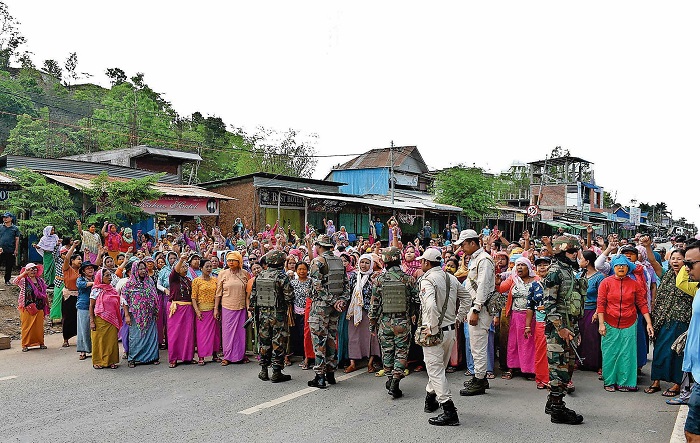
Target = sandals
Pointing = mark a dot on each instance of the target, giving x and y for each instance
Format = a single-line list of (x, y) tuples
[(113, 366), (97, 367), (627, 389), (201, 362), (469, 373), (670, 393), (82, 357), (156, 362), (225, 362), (371, 369), (490, 375), (132, 364), (677, 401), (350, 368), (508, 375), (419, 368), (172, 364), (43, 347), (609, 388), (216, 360), (450, 369), (25, 349), (541, 385), (380, 373), (65, 344), (652, 389)]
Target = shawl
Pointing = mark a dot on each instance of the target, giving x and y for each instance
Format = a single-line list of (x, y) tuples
[(356, 300), (410, 267), (48, 241), (107, 301), (670, 303), (38, 290), (91, 241), (140, 296), (518, 283)]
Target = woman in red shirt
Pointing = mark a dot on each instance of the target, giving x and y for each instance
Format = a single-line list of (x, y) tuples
[(618, 298)]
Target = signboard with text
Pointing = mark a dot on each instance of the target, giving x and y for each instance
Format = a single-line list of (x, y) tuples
[(182, 206)]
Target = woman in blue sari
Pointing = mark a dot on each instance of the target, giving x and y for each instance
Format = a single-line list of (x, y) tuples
[(140, 314)]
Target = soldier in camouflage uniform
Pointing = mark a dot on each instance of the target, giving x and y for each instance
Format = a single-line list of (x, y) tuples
[(272, 294), (394, 298), (561, 327), (329, 297)]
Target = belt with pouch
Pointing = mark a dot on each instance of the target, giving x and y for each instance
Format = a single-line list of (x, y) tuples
[(448, 328)]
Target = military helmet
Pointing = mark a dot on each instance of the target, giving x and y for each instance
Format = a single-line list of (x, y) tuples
[(566, 243), (324, 240), (391, 254), (275, 257)]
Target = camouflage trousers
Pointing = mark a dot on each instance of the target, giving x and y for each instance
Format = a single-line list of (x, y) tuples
[(561, 359), (323, 323), (273, 335), (394, 339)]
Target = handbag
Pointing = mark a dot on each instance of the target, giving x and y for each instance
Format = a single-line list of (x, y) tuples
[(678, 345), (494, 301), (423, 338), (31, 309)]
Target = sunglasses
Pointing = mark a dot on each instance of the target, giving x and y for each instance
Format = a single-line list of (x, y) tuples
[(690, 263)]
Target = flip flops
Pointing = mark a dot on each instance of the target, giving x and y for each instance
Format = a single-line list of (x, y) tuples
[(670, 393), (652, 389), (677, 401)]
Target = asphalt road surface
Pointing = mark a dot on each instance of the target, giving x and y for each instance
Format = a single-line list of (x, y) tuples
[(52, 396)]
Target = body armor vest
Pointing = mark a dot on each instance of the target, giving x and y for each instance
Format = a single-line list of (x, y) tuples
[(393, 296), (334, 277), (265, 290)]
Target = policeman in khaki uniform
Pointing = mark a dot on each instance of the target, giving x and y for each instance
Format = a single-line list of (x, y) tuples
[(329, 297), (394, 298), (562, 325), (272, 294), (438, 294)]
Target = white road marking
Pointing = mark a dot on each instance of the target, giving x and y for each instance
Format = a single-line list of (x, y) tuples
[(293, 395), (9, 377), (678, 434)]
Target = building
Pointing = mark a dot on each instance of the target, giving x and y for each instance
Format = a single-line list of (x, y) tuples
[(143, 157)]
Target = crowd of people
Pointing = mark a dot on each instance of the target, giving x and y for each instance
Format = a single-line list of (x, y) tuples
[(443, 302)]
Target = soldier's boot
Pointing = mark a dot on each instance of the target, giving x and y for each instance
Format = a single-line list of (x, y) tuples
[(318, 382), (263, 375), (431, 403), (394, 390), (330, 378), (279, 377), (388, 382), (476, 386), (486, 380), (562, 414), (448, 417), (548, 405)]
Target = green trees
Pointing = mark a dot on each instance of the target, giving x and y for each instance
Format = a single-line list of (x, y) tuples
[(43, 203), (34, 137), (10, 37), (118, 201), (468, 188), (276, 153)]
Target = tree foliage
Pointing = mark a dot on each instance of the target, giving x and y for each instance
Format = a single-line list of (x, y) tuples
[(42, 202), (468, 188), (52, 67), (10, 37), (36, 137), (279, 154), (116, 76), (118, 201)]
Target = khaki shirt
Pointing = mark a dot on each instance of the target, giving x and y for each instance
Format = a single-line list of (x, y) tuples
[(482, 270), (432, 297)]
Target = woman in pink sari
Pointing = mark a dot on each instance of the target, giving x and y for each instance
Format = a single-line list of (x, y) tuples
[(207, 327), (234, 298), (180, 315), (105, 321)]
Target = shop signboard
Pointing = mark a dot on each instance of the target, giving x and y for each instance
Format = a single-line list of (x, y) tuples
[(181, 206)]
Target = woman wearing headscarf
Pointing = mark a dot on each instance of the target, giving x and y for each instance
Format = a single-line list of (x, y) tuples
[(127, 240), (163, 285), (57, 300), (590, 338), (361, 343), (670, 314), (234, 298), (619, 297), (140, 311), (33, 305), (71, 268), (47, 247), (84, 284), (181, 315), (207, 327), (343, 334), (105, 321), (521, 344)]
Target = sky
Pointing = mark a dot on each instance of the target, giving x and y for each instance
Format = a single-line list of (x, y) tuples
[(484, 83)]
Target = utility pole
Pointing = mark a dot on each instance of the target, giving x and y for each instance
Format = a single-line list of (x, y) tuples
[(391, 171)]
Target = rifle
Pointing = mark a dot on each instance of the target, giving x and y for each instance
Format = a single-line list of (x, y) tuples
[(573, 348)]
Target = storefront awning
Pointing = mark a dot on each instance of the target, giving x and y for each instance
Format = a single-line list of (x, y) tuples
[(350, 199)]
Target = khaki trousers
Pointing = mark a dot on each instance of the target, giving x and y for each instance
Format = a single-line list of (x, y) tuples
[(436, 359)]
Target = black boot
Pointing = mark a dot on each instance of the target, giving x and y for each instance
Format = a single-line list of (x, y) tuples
[(448, 417), (388, 383), (431, 403), (561, 414), (394, 390), (279, 377), (318, 382), (486, 381), (330, 378), (475, 386), (263, 374)]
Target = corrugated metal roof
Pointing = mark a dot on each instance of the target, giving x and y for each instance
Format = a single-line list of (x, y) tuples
[(381, 158), (138, 151), (81, 181), (347, 198), (6, 179), (69, 165)]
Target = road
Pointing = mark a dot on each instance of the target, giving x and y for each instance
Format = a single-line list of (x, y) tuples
[(52, 396)]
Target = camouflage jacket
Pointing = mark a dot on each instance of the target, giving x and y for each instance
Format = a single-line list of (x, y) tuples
[(283, 288), (556, 286), (412, 299), (318, 274)]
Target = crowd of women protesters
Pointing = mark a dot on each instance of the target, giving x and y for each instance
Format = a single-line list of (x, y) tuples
[(188, 290)]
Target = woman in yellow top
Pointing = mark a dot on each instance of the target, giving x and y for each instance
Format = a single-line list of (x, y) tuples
[(234, 298), (206, 325)]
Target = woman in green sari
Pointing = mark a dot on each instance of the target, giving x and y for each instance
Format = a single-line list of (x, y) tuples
[(47, 248)]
